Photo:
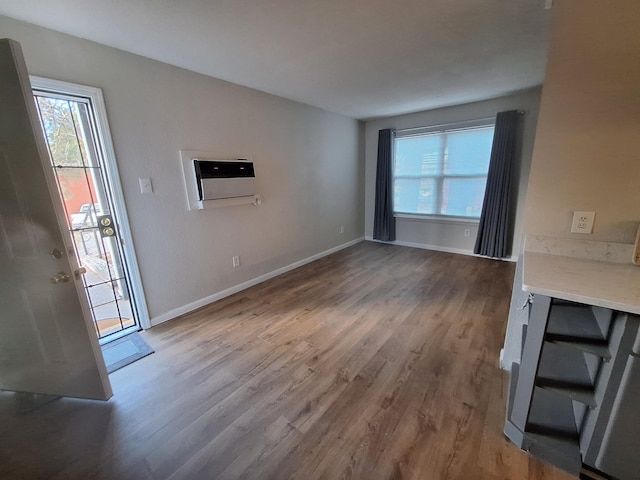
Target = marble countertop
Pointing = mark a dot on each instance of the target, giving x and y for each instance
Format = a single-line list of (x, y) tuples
[(594, 273)]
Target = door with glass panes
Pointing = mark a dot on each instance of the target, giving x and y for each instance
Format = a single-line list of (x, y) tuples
[(69, 126)]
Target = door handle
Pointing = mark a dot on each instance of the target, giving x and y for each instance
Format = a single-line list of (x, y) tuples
[(61, 277), (80, 271)]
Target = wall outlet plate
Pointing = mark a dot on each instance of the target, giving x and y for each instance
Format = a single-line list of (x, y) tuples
[(582, 222)]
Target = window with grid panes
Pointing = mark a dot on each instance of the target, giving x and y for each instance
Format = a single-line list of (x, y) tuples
[(443, 172)]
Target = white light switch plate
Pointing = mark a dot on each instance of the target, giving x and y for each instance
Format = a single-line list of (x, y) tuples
[(145, 185)]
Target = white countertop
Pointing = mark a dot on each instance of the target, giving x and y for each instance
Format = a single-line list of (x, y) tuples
[(614, 285)]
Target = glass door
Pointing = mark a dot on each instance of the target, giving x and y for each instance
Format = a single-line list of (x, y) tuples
[(68, 123)]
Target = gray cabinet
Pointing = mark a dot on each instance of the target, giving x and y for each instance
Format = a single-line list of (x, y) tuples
[(572, 396), (620, 446)]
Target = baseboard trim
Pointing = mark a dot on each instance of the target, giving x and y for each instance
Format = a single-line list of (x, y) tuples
[(504, 366), (439, 248), (176, 312)]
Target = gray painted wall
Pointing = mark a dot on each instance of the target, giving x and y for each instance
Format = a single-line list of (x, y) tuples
[(443, 234), (308, 162)]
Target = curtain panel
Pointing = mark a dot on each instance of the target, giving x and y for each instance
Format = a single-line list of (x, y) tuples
[(384, 226), (495, 228)]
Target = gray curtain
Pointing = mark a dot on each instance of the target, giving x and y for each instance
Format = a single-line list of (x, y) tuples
[(384, 225), (495, 229)]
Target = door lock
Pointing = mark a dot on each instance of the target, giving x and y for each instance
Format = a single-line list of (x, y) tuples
[(56, 253), (61, 277), (106, 226)]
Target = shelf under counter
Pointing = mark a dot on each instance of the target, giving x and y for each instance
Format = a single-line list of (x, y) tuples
[(565, 393)]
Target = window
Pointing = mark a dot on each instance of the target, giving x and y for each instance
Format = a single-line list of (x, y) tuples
[(442, 172)]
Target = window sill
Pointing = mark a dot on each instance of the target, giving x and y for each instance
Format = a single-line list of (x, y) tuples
[(437, 218)]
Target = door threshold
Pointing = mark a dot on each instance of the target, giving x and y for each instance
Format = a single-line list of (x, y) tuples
[(120, 334)]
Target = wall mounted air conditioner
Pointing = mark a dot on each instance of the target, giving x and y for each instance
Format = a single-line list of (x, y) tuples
[(224, 179), (214, 183)]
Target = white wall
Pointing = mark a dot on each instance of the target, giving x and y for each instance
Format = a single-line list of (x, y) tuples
[(447, 235), (586, 149), (308, 164)]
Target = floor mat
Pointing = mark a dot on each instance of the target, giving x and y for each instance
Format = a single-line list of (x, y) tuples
[(125, 350)]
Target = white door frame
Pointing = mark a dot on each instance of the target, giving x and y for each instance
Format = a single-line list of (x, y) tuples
[(94, 94)]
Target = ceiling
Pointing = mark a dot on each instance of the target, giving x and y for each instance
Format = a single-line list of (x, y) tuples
[(360, 58)]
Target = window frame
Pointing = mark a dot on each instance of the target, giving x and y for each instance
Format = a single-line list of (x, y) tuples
[(440, 130)]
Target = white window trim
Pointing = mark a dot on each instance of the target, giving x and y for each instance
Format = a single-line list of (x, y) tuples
[(442, 128), (111, 170), (445, 127), (437, 218)]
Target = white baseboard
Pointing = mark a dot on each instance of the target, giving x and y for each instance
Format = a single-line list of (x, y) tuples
[(176, 312), (502, 364), (439, 248)]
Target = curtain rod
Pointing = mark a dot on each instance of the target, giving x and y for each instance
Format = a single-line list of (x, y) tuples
[(442, 125)]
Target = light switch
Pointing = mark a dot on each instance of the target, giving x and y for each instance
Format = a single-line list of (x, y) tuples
[(145, 185)]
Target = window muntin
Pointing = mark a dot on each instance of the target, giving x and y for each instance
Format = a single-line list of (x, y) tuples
[(442, 173)]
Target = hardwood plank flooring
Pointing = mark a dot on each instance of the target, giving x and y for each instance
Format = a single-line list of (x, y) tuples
[(377, 362)]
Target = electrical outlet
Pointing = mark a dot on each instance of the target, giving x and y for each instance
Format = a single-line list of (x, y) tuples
[(582, 222), (236, 261), (342, 229), (467, 232)]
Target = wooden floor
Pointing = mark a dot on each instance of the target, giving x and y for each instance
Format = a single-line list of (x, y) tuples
[(378, 362)]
